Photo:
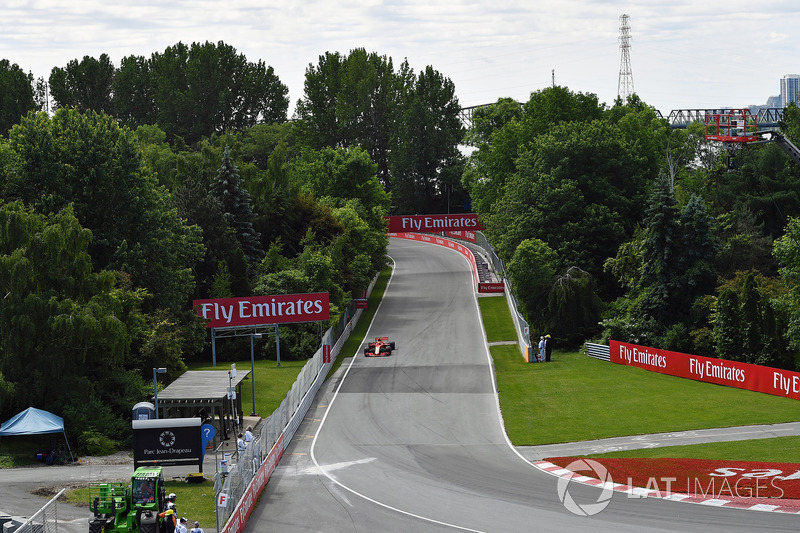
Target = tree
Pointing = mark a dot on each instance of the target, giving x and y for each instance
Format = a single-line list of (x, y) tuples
[(219, 241), (765, 182), (343, 175), (198, 90), (85, 85), (134, 91), (787, 252), (56, 303), (531, 272), (351, 101), (493, 164), (427, 163), (408, 124), (172, 99), (742, 245), (88, 161), (695, 268), (359, 250), (486, 120), (237, 208), (226, 92), (750, 319), (573, 307), (318, 107), (555, 105), (16, 94), (579, 188), (661, 254)]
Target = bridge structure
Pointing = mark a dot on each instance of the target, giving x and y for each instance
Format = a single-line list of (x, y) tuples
[(767, 117)]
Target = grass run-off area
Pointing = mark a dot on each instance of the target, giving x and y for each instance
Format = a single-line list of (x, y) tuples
[(575, 397)]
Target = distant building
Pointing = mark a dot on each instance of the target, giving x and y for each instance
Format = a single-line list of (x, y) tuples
[(790, 89), (774, 101)]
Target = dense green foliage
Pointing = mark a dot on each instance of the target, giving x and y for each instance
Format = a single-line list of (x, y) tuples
[(189, 91), (141, 252), (407, 122), (613, 225), (16, 94), (111, 224)]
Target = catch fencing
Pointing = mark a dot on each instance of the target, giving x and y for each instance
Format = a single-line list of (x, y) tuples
[(45, 520), (231, 489)]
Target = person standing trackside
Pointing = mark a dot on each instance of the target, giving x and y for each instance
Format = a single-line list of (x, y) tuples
[(197, 528), (540, 355), (169, 518), (548, 348)]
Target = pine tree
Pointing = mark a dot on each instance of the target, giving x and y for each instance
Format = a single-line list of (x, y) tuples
[(221, 284), (236, 203), (660, 257), (727, 326), (697, 249), (752, 342)]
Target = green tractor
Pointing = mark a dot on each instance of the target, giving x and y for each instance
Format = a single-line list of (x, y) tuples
[(133, 508)]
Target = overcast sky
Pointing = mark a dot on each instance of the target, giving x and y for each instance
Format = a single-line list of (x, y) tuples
[(684, 53)]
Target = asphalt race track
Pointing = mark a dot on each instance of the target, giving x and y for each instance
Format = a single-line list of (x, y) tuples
[(414, 442)]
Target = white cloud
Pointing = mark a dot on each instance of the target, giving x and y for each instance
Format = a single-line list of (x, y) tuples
[(683, 52)]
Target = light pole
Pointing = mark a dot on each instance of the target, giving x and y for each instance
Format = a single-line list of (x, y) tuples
[(232, 394), (253, 371), (278, 343), (157, 371)]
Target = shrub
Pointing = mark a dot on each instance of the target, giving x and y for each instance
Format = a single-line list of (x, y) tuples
[(92, 442)]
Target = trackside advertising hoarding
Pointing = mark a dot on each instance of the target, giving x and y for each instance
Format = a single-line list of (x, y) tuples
[(731, 373), (433, 223), (470, 236), (264, 310)]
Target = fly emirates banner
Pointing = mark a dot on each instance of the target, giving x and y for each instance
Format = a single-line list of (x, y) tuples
[(264, 310), (720, 371)]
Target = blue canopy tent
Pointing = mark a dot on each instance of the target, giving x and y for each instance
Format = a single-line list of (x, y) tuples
[(34, 421)]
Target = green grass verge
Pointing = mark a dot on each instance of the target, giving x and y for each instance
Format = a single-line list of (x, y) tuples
[(576, 398), (497, 319)]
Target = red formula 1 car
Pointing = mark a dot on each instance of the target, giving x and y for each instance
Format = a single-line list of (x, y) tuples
[(379, 348)]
